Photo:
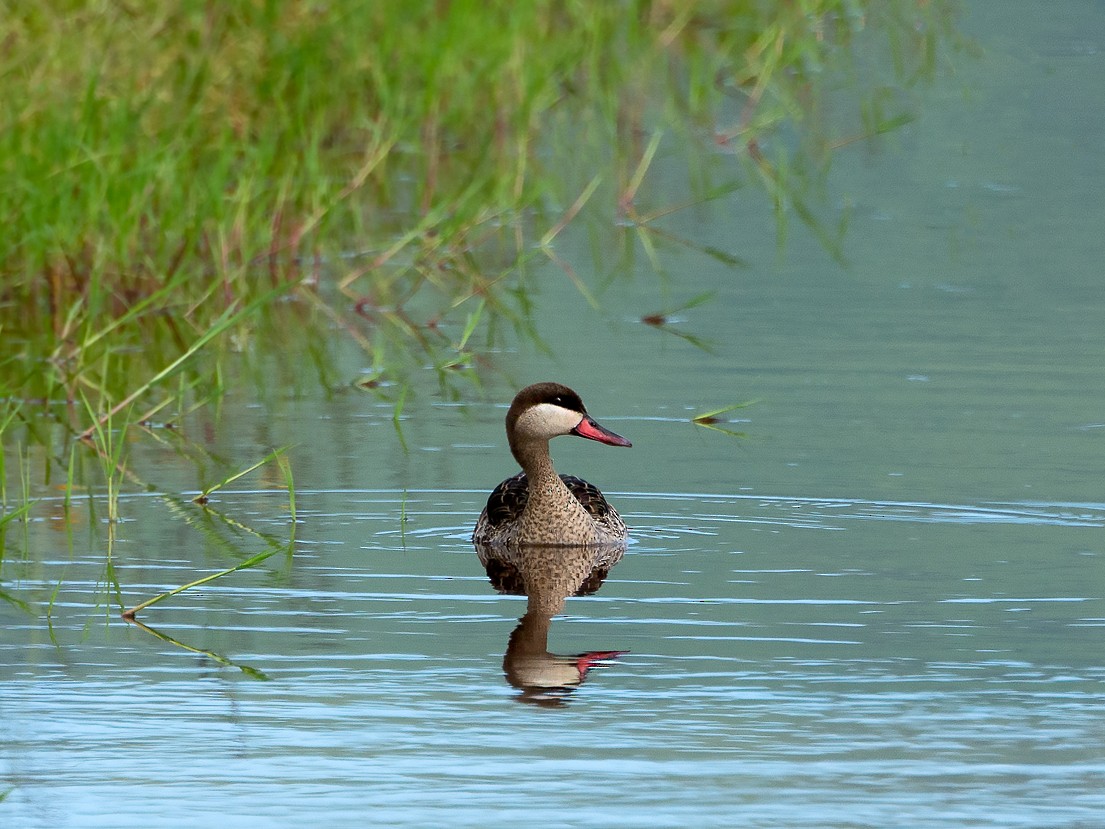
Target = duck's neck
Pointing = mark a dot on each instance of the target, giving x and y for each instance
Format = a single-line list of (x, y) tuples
[(552, 515), (536, 462), (548, 495)]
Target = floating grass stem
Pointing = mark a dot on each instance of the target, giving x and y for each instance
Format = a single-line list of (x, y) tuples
[(665, 317), (664, 321), (715, 418), (275, 454), (252, 561), (571, 212), (17, 514)]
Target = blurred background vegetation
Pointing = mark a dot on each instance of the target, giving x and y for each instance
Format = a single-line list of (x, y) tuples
[(186, 183)]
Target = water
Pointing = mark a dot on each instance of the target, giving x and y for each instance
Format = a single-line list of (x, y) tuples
[(881, 607), (790, 661)]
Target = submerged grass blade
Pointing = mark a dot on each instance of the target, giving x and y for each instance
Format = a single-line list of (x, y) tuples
[(397, 416), (111, 577), (403, 519), (252, 673), (14, 602), (286, 468)]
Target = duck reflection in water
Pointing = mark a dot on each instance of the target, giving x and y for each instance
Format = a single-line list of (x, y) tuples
[(547, 576), (548, 537)]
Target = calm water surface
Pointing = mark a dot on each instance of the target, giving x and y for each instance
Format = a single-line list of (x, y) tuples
[(883, 606)]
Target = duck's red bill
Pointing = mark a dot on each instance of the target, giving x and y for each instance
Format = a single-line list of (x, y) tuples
[(588, 428), (586, 661)]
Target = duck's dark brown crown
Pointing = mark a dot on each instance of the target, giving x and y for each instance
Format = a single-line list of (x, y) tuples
[(554, 394)]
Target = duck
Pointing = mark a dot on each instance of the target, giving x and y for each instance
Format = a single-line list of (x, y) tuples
[(537, 506)]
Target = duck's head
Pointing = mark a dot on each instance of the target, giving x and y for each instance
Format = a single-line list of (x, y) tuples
[(546, 410)]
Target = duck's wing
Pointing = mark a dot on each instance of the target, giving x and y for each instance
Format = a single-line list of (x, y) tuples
[(589, 496), (507, 500)]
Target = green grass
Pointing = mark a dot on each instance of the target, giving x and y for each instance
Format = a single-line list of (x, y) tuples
[(185, 182)]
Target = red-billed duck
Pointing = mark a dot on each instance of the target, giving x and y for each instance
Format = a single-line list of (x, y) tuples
[(538, 506)]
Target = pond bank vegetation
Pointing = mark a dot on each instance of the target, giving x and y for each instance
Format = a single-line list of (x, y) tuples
[(191, 185)]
